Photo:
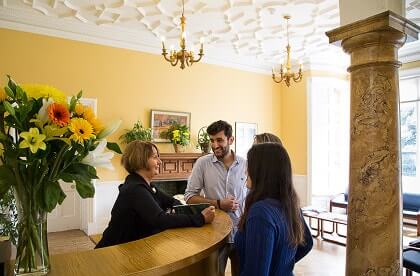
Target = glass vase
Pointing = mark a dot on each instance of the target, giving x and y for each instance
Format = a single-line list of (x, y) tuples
[(32, 257)]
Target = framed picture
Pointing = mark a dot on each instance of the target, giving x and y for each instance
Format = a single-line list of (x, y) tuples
[(244, 137), (161, 120), (91, 102)]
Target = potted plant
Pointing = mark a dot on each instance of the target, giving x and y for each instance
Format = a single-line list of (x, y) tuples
[(203, 139), (138, 132), (177, 134), (8, 233)]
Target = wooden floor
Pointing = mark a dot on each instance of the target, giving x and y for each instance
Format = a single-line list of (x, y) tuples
[(326, 259)]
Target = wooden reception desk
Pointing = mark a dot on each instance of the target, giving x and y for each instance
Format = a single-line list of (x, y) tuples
[(181, 251)]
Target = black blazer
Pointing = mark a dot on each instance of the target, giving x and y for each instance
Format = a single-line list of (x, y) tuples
[(140, 211)]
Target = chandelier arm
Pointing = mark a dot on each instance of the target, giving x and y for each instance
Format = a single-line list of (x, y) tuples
[(275, 79), (200, 55), (189, 61), (175, 61), (297, 76), (164, 54)]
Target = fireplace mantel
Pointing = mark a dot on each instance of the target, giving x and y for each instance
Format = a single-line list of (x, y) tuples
[(176, 166)]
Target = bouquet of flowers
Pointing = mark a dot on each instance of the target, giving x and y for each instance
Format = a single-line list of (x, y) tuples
[(178, 135), (43, 139)]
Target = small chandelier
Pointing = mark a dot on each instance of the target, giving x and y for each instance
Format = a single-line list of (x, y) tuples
[(287, 74), (183, 56)]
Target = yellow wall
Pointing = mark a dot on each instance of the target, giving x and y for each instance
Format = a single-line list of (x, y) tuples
[(293, 123), (128, 84)]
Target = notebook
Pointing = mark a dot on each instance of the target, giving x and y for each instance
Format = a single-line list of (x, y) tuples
[(190, 209)]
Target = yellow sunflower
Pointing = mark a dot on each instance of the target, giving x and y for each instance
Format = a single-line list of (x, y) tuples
[(79, 109), (97, 125), (82, 130), (44, 91), (88, 113)]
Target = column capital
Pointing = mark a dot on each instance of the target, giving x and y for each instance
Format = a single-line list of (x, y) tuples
[(385, 21)]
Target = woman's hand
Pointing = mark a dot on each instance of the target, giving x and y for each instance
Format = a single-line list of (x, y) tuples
[(208, 214)]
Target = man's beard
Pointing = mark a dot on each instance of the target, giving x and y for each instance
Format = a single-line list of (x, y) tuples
[(224, 152)]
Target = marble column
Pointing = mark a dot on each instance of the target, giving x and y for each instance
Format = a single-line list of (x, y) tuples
[(374, 210)]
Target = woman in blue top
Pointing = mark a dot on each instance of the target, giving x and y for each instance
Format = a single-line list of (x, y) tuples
[(272, 234)]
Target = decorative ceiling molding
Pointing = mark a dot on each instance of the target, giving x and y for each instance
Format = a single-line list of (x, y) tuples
[(244, 34)]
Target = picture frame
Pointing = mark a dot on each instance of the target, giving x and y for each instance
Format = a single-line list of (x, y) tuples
[(244, 137), (91, 102), (161, 120)]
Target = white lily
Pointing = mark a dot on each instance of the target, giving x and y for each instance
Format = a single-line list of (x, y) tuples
[(43, 111), (99, 158), (109, 129)]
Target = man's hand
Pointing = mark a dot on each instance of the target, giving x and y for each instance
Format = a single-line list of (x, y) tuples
[(229, 204)]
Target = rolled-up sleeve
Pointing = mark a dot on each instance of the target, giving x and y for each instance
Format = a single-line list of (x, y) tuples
[(195, 181)]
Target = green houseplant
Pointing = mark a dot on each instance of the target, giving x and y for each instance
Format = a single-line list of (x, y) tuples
[(177, 134), (45, 139), (8, 233), (138, 132), (203, 140)]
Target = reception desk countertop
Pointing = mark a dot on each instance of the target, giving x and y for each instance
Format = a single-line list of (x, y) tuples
[(181, 251)]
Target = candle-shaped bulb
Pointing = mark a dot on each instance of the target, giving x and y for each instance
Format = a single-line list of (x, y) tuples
[(201, 40), (183, 35), (162, 39), (172, 48)]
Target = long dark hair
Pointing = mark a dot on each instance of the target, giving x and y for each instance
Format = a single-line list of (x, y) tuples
[(270, 171)]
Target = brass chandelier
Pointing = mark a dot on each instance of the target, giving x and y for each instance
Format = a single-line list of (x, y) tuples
[(183, 56), (287, 75)]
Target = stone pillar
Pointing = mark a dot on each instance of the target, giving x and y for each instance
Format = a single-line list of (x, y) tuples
[(374, 210)]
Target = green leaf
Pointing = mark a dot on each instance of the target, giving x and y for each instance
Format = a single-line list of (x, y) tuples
[(12, 84), (20, 94), (79, 95), (9, 92), (7, 179), (85, 187), (114, 147), (52, 195), (9, 108), (65, 140), (73, 102), (3, 137)]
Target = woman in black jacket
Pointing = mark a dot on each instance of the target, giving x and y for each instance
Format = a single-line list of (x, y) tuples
[(140, 208)]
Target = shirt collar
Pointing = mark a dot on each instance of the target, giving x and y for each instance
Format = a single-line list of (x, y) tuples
[(235, 158)]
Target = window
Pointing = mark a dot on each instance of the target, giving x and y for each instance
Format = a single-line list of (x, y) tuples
[(329, 101), (409, 119)]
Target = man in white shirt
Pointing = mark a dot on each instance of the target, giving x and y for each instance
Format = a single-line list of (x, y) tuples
[(221, 176)]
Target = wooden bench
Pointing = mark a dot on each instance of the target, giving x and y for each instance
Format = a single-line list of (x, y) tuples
[(322, 218)]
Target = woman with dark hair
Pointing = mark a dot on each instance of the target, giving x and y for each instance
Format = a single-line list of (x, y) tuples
[(140, 208), (272, 234), (266, 137)]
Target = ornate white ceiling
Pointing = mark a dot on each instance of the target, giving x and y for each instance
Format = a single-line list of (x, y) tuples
[(248, 34)]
